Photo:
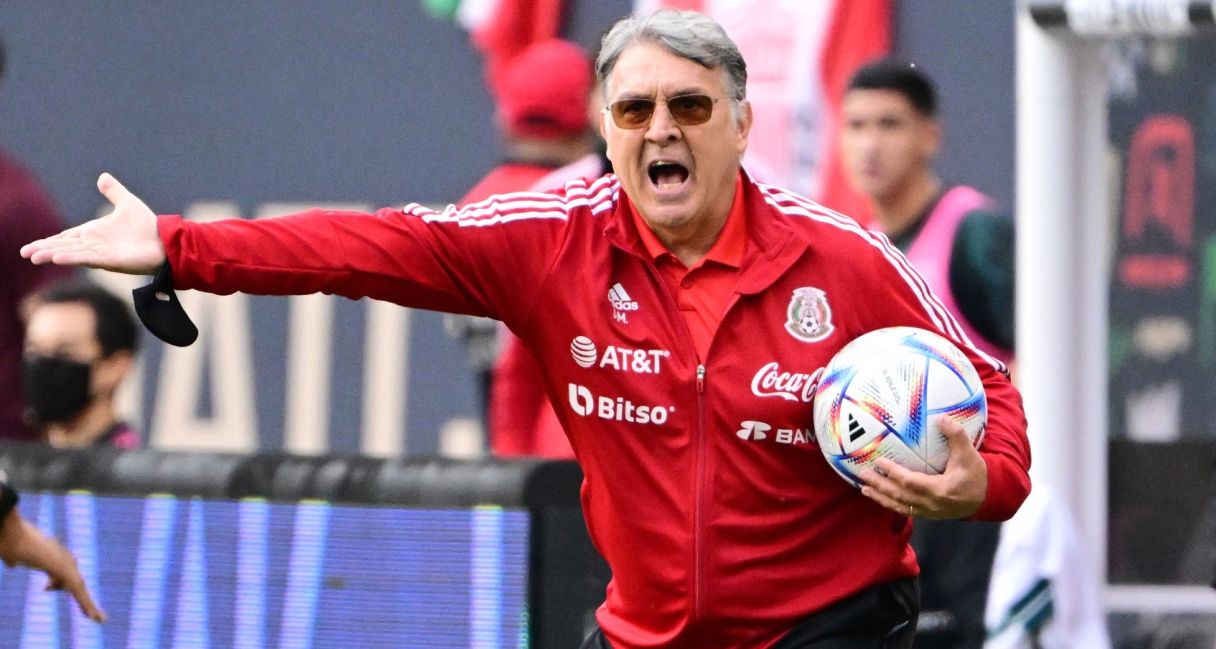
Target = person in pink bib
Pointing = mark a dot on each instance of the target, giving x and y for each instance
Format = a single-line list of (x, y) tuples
[(890, 136)]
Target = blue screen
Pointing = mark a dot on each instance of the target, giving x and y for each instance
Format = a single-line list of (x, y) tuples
[(199, 574)]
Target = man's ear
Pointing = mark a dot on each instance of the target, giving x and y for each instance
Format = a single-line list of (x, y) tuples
[(934, 135), (743, 126), (603, 124)]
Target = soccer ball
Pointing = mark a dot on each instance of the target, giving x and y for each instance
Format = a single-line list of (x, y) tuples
[(881, 395)]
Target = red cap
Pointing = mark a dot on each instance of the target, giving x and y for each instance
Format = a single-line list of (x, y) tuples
[(543, 90)]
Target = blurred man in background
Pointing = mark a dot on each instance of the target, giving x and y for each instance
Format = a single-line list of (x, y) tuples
[(541, 97), (21, 543), (964, 248), (522, 421), (80, 345), (890, 136), (951, 233), (25, 212)]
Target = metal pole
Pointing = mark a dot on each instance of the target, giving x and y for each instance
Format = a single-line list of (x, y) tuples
[(1062, 235)]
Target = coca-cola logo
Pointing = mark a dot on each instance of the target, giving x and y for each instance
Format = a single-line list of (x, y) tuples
[(770, 381)]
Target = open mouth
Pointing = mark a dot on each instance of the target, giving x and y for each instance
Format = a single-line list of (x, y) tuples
[(665, 174)]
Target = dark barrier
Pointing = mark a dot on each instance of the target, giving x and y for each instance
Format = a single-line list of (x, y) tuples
[(280, 550)]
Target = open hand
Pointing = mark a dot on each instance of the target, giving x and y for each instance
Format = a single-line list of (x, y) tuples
[(957, 493), (125, 240)]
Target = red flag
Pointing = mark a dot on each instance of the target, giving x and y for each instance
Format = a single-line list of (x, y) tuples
[(860, 32), (514, 25)]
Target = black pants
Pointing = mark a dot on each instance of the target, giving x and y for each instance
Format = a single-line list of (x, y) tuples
[(883, 617)]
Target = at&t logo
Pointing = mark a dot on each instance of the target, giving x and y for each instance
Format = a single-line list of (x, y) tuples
[(621, 359), (585, 404), (583, 351)]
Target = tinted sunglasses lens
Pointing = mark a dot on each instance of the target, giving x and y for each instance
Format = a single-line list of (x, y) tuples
[(690, 110), (632, 113)]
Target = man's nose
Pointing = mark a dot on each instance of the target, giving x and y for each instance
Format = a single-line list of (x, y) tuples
[(662, 127)]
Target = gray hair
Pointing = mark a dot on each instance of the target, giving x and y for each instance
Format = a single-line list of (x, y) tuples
[(686, 34)]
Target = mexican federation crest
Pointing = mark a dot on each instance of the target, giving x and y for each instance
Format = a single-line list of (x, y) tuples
[(809, 318)]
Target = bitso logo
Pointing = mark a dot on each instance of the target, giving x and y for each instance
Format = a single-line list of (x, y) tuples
[(770, 381), (808, 317), (756, 430), (585, 404), (583, 351), (581, 400), (621, 359), (621, 303)]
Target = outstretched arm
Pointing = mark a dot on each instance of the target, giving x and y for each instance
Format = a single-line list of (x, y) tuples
[(453, 260), (125, 240), (21, 543)]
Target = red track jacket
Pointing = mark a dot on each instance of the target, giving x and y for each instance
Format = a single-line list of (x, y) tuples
[(705, 489)]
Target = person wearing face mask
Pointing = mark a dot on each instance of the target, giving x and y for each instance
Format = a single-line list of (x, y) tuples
[(80, 343)]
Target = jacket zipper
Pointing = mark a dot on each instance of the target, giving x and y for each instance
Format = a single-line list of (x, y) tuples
[(698, 517), (698, 580)]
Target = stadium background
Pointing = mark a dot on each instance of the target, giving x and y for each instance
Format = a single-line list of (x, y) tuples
[(244, 109), (373, 103)]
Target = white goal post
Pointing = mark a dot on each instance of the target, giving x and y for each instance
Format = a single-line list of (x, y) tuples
[(1064, 199)]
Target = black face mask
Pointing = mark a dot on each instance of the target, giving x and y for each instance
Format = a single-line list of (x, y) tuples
[(56, 389)]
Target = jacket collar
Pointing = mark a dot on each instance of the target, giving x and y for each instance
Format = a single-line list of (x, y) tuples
[(772, 245)]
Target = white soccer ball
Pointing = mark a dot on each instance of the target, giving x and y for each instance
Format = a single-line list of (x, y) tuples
[(881, 396)]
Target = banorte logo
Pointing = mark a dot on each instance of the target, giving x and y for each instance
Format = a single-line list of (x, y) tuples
[(585, 404), (770, 381), (751, 429), (583, 351)]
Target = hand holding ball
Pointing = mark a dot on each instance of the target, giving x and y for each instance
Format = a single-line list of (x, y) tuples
[(881, 396)]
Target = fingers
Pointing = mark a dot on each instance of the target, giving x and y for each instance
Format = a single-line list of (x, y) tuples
[(884, 498), (112, 189), (67, 252), (78, 256), (80, 592), (65, 575), (30, 250), (894, 487), (956, 435), (86, 603)]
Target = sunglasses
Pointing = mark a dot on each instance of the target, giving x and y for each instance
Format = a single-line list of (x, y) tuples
[(686, 110)]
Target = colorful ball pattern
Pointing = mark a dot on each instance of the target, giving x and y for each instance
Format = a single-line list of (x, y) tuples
[(881, 396)]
